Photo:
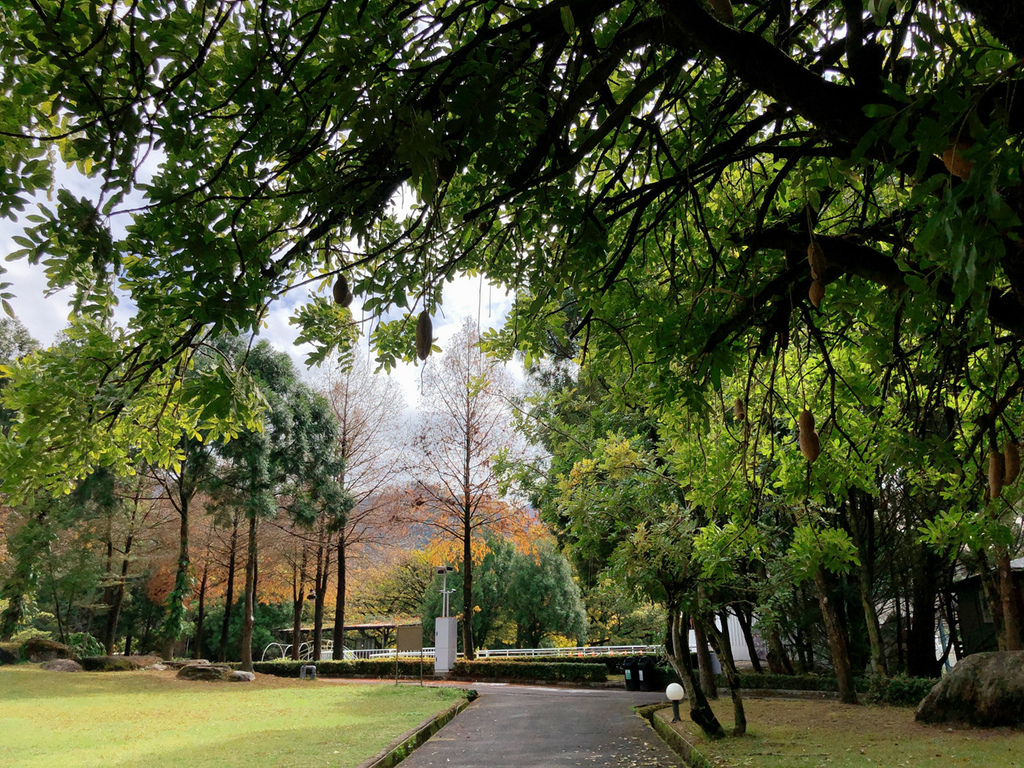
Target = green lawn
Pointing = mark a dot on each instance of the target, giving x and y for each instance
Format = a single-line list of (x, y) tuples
[(152, 719), (802, 734)]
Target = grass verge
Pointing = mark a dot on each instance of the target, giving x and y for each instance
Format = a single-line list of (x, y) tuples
[(153, 719), (800, 734)]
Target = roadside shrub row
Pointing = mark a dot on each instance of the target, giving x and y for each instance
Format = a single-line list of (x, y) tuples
[(534, 671), (900, 691), (612, 663), (347, 668)]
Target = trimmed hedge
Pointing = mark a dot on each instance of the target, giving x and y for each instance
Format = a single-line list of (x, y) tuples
[(768, 681), (899, 691), (383, 668), (535, 671), (611, 662)]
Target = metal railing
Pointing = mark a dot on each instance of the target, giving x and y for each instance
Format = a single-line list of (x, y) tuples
[(284, 651), (506, 653), (594, 650)]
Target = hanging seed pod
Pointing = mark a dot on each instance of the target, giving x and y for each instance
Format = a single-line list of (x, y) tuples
[(739, 411), (810, 444), (956, 163), (816, 258), (995, 474), (424, 335), (723, 10), (816, 293), (342, 295), (1011, 463)]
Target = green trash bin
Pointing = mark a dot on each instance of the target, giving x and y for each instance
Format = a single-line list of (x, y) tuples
[(629, 668), (648, 673)]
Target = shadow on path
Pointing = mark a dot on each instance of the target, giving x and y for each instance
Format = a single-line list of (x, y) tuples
[(531, 727)]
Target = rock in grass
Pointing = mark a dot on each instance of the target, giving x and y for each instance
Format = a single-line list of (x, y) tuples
[(37, 649), (208, 672), (111, 663), (241, 676), (8, 654), (984, 689), (62, 665)]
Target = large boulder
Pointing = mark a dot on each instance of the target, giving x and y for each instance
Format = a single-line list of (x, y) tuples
[(984, 689), (39, 649), (241, 676), (111, 663), (148, 661), (179, 663), (8, 654), (208, 672), (62, 665)]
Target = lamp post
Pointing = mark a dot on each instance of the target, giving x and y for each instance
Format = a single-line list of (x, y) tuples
[(445, 629), (444, 570), (675, 694)]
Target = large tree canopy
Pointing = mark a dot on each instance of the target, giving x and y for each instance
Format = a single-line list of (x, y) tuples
[(656, 170)]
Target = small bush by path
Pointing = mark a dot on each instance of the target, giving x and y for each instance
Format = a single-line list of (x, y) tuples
[(151, 719)]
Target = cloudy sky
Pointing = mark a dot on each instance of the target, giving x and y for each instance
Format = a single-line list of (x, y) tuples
[(45, 316)]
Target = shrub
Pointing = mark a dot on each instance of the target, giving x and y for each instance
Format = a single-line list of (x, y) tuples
[(535, 671), (612, 663), (899, 691), (768, 681), (85, 644)]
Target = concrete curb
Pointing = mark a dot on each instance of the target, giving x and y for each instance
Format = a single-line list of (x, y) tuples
[(404, 745), (688, 753)]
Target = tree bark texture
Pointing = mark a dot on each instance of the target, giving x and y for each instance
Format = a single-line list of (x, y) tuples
[(836, 640), (249, 620), (229, 597)]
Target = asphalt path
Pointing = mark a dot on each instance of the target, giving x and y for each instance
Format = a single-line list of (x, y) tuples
[(514, 726)]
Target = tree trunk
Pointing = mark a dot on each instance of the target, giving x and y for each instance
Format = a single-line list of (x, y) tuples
[(320, 579), (197, 643), (836, 641), (467, 590), (700, 710), (229, 596), (249, 620), (1009, 604), (777, 658), (298, 601), (746, 625), (862, 530), (878, 665), (174, 623), (117, 601), (339, 601), (707, 673), (921, 660), (720, 642)]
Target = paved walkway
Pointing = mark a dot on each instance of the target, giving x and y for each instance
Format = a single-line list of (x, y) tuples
[(532, 727)]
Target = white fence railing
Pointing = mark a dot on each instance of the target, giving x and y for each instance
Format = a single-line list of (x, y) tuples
[(284, 651), (327, 652)]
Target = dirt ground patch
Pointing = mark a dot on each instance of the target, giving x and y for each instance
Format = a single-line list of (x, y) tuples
[(798, 734)]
